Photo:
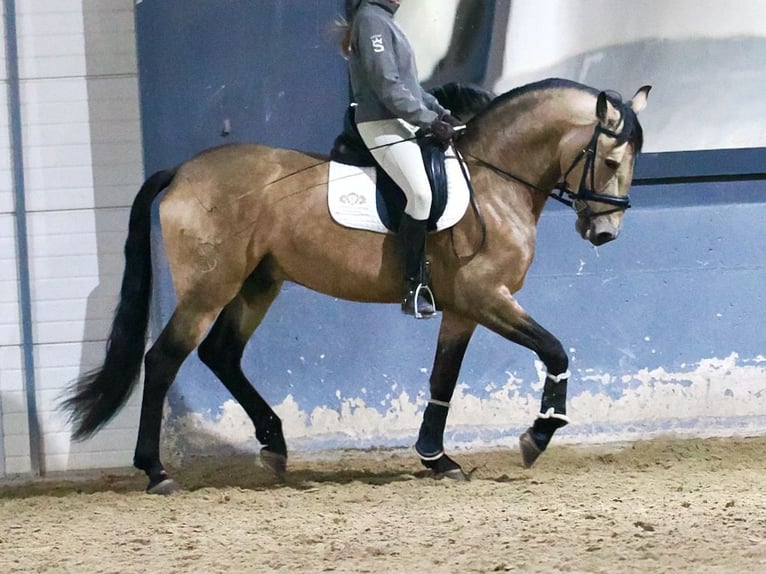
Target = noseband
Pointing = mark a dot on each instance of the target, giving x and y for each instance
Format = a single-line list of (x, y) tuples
[(561, 191), (585, 192)]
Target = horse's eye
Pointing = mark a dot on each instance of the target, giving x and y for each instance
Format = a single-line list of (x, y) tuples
[(612, 163)]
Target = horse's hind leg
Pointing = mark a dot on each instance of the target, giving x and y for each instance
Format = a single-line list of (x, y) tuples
[(454, 336), (161, 363), (222, 352)]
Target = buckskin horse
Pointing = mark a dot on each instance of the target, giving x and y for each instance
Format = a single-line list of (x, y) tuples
[(239, 220)]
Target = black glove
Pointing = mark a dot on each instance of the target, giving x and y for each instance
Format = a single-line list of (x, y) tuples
[(451, 120), (442, 132)]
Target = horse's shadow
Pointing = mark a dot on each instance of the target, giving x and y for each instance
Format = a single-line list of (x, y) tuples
[(242, 471), (372, 467), (239, 470)]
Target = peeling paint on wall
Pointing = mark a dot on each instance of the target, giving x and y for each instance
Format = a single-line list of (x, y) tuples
[(707, 399)]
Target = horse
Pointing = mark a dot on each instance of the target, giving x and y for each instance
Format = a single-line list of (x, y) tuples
[(241, 219)]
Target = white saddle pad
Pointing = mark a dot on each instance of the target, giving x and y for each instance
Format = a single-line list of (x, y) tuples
[(351, 196)]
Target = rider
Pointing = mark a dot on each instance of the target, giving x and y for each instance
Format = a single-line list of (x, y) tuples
[(391, 106)]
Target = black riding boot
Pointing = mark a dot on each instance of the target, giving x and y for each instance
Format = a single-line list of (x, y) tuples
[(418, 300)]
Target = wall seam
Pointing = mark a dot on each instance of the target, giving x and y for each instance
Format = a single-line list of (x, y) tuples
[(22, 236)]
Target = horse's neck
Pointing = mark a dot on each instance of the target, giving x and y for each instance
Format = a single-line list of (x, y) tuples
[(525, 139), (522, 140)]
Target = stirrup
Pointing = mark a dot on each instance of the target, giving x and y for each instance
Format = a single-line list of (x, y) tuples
[(426, 292)]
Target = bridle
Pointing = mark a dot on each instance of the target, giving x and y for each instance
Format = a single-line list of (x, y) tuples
[(585, 192)]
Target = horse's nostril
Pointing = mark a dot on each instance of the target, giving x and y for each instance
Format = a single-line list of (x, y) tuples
[(603, 237)]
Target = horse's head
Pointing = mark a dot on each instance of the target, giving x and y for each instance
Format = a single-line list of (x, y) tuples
[(598, 166)]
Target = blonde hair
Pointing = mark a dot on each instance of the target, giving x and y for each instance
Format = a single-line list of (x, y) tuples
[(343, 30), (342, 26)]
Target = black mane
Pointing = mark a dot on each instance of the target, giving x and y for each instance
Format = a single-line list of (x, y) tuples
[(632, 130), (464, 100)]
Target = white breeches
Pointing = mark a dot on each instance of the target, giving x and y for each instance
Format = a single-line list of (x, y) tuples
[(401, 160)]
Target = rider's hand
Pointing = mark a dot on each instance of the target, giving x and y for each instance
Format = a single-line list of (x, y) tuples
[(442, 132)]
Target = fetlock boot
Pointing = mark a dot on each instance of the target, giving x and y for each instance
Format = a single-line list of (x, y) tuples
[(418, 299)]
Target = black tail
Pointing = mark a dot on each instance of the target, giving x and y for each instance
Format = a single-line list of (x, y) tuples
[(98, 395)]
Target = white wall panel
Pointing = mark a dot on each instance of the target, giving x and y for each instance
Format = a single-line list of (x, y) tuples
[(6, 183), (10, 329), (10, 333), (48, 6), (50, 43), (111, 447), (59, 55), (55, 119), (6, 177), (82, 168), (13, 406), (116, 140), (3, 71), (81, 247), (82, 142), (110, 37)]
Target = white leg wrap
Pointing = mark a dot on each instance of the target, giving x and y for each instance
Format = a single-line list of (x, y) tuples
[(558, 378), (550, 414), (438, 403), (436, 456)]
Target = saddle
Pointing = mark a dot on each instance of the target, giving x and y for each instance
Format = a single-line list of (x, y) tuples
[(349, 149)]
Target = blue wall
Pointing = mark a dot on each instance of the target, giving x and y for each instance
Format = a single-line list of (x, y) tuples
[(270, 68), (664, 326)]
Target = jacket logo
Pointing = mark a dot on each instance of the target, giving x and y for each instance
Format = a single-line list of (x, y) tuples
[(377, 43)]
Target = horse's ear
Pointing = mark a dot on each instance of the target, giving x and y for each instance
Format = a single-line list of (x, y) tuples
[(602, 107), (638, 102), (605, 111)]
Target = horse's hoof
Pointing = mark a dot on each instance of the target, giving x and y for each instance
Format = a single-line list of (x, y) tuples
[(274, 462), (164, 488), (455, 474), (529, 449), (445, 467)]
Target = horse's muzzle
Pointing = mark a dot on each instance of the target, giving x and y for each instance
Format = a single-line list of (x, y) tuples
[(596, 230)]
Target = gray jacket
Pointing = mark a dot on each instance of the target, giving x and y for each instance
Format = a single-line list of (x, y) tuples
[(384, 77)]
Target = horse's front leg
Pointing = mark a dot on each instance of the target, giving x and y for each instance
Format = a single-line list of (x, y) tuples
[(454, 335), (510, 320)]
